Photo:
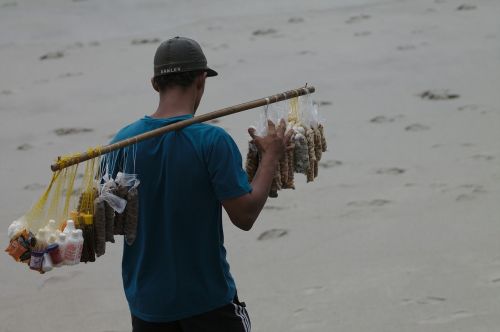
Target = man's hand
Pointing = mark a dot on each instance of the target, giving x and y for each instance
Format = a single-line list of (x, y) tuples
[(275, 142), (244, 210)]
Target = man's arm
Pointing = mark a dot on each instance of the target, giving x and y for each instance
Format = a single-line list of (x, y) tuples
[(244, 210)]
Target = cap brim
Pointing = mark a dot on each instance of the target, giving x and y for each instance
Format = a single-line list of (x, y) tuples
[(211, 72)]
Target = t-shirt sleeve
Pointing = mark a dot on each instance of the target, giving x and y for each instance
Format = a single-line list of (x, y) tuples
[(228, 178)]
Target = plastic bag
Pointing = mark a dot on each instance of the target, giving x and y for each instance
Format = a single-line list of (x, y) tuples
[(108, 190)]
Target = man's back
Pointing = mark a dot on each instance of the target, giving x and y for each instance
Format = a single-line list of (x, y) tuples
[(177, 266)]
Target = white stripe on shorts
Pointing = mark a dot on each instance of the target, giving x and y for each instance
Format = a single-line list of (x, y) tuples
[(237, 311)]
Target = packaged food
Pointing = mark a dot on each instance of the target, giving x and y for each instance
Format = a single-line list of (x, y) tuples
[(131, 215), (100, 226)]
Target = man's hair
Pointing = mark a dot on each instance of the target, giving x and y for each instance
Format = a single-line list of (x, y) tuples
[(182, 80)]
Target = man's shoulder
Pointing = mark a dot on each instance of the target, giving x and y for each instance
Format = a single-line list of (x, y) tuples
[(132, 129), (210, 133)]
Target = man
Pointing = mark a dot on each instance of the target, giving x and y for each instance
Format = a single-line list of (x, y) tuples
[(175, 274)]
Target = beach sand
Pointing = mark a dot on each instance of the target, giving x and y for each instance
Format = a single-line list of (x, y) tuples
[(401, 230)]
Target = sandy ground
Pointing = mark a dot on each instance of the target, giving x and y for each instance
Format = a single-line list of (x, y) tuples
[(401, 231)]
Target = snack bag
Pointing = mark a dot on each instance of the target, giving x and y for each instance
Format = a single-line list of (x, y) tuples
[(20, 246)]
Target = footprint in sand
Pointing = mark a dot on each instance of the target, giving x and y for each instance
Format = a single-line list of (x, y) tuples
[(406, 47), (295, 20), (465, 197), (466, 7), (425, 300), (312, 290), (214, 28), (385, 119), (75, 45), (362, 33), (142, 41), (483, 157), (67, 75), (330, 163), (472, 108), (473, 190), (462, 314), (34, 186), (9, 4), (417, 127), (24, 147), (52, 55), (476, 188), (357, 18), (469, 107), (71, 131), (264, 32), (372, 203), (299, 311), (438, 95), (390, 171), (306, 52), (272, 234), (495, 281)]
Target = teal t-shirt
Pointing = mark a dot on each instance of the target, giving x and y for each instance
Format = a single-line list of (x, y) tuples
[(177, 266)]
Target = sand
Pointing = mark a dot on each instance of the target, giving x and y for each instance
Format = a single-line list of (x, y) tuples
[(399, 233)]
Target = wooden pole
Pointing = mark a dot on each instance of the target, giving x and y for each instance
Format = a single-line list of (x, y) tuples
[(181, 124)]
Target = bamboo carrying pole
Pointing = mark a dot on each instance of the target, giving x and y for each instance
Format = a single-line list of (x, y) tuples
[(181, 124)]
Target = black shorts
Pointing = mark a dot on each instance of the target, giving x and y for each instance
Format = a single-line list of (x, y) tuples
[(232, 317)]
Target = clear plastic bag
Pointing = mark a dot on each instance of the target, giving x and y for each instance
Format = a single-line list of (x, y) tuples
[(274, 112), (107, 193)]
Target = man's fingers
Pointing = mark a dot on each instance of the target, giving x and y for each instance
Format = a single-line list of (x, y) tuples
[(281, 128), (252, 131), (271, 128), (288, 135)]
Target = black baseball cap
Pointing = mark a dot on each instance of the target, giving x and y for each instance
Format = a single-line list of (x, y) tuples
[(180, 55)]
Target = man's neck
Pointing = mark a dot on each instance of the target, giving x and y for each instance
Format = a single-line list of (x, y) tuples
[(176, 102)]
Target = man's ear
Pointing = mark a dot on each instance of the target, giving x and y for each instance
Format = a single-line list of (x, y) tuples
[(155, 86), (200, 81)]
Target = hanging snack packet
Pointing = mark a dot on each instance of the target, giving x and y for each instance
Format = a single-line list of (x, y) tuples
[(112, 204), (20, 246), (131, 215), (16, 227), (100, 226), (290, 184), (109, 213), (312, 169), (127, 221), (323, 137), (301, 152), (252, 161), (119, 220), (88, 251)]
